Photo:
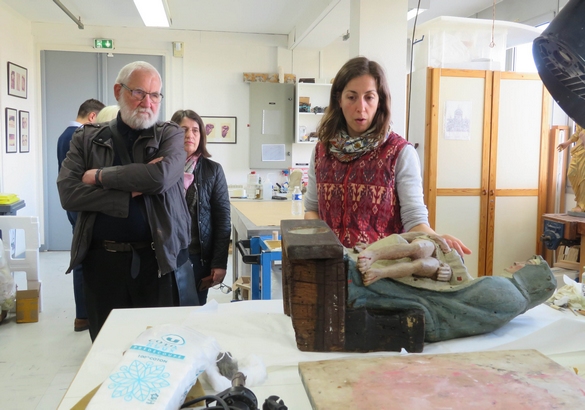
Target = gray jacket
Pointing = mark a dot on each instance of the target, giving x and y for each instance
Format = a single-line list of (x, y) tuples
[(161, 185)]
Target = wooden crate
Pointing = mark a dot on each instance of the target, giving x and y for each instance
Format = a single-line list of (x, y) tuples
[(315, 297)]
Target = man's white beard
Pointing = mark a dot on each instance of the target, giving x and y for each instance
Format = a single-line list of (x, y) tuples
[(135, 119)]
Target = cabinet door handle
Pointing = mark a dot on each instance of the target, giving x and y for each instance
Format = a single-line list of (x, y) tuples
[(484, 192), (491, 192)]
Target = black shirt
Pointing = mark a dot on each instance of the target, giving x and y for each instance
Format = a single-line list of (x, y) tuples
[(134, 228)]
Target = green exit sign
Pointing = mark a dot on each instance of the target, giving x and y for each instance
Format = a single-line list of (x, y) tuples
[(103, 43)]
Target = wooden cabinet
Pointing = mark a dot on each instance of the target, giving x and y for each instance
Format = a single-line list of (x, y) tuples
[(485, 156), (307, 118)]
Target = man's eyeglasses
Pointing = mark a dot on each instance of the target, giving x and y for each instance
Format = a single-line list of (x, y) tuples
[(223, 288), (141, 94)]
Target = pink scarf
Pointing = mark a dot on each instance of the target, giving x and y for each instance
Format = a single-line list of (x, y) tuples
[(190, 165)]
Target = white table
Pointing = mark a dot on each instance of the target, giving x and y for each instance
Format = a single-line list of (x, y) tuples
[(255, 218), (260, 327)]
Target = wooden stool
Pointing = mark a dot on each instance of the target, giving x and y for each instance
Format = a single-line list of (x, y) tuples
[(314, 276)]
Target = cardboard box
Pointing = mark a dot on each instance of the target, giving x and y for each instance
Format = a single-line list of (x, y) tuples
[(243, 283), (27, 303)]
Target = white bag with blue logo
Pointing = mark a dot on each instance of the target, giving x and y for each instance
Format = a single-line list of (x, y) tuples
[(158, 370)]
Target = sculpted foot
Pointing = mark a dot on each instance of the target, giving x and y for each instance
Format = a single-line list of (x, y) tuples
[(365, 260), (371, 276), (444, 273)]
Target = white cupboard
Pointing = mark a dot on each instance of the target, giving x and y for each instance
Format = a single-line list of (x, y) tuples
[(485, 156)]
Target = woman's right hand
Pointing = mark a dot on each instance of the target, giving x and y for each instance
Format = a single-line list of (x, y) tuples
[(456, 244), (563, 145)]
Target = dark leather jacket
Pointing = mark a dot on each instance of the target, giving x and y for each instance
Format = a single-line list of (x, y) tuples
[(211, 212), (161, 185)]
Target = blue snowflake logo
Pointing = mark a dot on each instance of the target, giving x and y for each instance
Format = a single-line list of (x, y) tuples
[(140, 381)]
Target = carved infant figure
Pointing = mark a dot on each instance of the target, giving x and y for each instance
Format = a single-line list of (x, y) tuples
[(417, 256)]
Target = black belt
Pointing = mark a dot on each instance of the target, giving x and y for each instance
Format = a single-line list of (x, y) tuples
[(112, 246)]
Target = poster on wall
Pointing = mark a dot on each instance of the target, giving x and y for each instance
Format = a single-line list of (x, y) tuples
[(17, 80), (11, 130), (457, 120), (23, 120), (220, 130)]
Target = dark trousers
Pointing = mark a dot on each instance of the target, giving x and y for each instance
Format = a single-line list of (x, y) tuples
[(200, 271), (109, 285), (78, 295), (80, 309)]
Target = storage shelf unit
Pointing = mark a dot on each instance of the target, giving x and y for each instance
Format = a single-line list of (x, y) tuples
[(307, 122)]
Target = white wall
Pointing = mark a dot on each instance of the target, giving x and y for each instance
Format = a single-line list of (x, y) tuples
[(20, 173)]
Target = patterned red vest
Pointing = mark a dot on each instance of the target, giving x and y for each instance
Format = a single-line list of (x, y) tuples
[(358, 199)]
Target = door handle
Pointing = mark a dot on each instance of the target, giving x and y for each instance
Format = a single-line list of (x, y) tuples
[(483, 192), (491, 192)]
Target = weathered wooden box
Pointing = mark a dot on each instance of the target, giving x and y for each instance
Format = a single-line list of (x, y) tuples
[(315, 297)]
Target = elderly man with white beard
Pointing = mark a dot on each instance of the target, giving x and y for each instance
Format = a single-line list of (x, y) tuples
[(125, 178)]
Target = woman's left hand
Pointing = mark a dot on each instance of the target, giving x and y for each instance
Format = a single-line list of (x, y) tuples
[(218, 275), (456, 244)]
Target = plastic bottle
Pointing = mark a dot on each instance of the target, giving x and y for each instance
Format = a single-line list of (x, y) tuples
[(259, 189), (253, 188), (252, 178), (297, 201), (267, 189)]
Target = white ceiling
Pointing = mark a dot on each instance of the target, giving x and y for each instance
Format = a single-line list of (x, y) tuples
[(321, 21)]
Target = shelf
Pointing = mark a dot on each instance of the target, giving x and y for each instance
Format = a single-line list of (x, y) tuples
[(307, 122)]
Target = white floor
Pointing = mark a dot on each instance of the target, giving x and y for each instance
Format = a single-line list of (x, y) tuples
[(38, 361)]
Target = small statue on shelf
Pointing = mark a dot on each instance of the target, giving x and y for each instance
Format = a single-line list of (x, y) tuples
[(576, 172)]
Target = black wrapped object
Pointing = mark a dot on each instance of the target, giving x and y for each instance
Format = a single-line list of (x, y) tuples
[(559, 54)]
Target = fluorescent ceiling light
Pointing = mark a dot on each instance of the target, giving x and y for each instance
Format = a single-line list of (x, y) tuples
[(154, 13), (410, 14)]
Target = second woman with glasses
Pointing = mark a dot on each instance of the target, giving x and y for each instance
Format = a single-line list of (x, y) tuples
[(207, 196)]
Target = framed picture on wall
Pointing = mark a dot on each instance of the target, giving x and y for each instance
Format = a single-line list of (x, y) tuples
[(11, 129), (24, 124), (17, 80), (221, 130)]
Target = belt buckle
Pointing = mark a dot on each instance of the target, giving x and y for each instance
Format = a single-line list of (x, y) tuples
[(106, 243)]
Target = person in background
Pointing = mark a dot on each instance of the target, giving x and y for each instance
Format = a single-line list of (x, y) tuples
[(86, 114), (108, 113), (364, 179), (207, 196), (576, 171), (126, 182)]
